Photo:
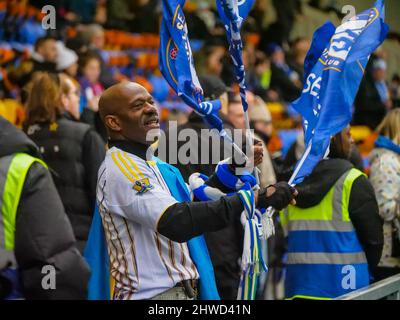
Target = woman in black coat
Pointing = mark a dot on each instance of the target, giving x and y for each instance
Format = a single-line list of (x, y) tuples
[(72, 150)]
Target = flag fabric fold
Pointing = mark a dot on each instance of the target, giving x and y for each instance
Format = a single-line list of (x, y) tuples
[(96, 256), (334, 68)]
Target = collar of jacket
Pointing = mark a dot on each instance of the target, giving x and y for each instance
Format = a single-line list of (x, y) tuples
[(136, 148), (68, 116)]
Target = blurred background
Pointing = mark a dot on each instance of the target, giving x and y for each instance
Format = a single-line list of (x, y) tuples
[(99, 43)]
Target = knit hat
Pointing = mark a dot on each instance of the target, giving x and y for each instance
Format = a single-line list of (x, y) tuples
[(259, 111), (66, 57)]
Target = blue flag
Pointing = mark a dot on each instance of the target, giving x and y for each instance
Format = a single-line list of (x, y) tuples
[(229, 11), (334, 68), (177, 66), (96, 256), (232, 14)]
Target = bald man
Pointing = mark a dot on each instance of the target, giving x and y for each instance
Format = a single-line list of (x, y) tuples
[(146, 227)]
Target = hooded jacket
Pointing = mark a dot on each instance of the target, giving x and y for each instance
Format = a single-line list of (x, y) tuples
[(363, 207), (43, 234)]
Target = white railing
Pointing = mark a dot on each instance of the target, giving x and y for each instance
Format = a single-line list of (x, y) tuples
[(388, 289)]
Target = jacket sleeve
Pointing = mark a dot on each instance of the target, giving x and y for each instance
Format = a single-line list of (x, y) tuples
[(364, 214), (93, 155), (183, 221), (43, 237)]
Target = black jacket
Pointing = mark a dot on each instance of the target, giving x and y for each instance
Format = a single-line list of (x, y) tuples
[(369, 109), (43, 234), (93, 119), (363, 208), (282, 84), (74, 154)]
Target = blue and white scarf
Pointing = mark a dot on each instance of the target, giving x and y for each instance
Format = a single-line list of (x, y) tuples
[(252, 262)]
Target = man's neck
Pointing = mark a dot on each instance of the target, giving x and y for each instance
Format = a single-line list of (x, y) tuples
[(136, 148)]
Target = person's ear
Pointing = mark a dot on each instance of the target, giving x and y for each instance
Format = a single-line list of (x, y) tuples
[(112, 123)]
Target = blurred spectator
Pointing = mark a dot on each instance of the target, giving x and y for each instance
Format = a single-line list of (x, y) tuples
[(93, 35), (43, 58), (101, 12), (178, 115), (373, 100), (395, 91), (286, 11), (71, 149), (284, 79), (91, 89), (279, 31), (201, 21), (385, 178), (296, 151), (42, 233), (90, 69), (380, 77), (67, 60), (213, 88), (78, 44), (210, 62), (82, 11), (69, 11), (327, 6), (258, 79), (299, 50), (259, 14), (147, 13), (119, 14), (261, 123), (70, 97), (235, 112)]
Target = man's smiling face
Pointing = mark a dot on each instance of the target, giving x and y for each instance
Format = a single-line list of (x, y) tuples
[(135, 113)]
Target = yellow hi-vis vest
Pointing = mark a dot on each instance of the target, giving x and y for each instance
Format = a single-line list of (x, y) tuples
[(13, 171), (325, 257)]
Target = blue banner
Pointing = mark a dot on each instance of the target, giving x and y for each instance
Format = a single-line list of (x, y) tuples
[(96, 256), (334, 68), (177, 66)]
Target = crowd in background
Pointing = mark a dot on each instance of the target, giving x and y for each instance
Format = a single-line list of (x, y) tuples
[(51, 81)]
